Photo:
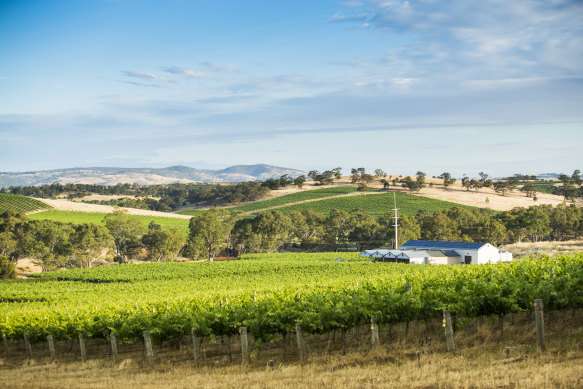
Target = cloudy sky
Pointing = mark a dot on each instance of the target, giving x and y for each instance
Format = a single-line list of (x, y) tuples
[(459, 86)]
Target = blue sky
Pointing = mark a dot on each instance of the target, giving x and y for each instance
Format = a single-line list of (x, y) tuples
[(459, 86)]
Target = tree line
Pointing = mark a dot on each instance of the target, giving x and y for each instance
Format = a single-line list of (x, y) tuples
[(223, 232)]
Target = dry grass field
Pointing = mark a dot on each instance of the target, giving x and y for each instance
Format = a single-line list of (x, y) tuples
[(417, 362)]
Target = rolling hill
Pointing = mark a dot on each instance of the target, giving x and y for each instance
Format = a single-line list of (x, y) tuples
[(144, 176)]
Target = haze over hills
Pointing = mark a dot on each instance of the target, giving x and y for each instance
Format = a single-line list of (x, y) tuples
[(144, 176)]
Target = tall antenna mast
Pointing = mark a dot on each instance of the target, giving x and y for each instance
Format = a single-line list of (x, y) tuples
[(396, 224)]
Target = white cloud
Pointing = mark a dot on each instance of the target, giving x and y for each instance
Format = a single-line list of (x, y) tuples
[(187, 72), (144, 76)]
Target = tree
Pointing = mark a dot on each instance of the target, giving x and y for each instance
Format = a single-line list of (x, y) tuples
[(7, 268), (88, 242), (163, 245), (48, 241), (447, 180), (337, 227), (299, 181), (529, 189), (209, 231), (274, 228), (365, 231), (126, 231), (380, 173), (576, 177), (337, 173), (466, 183)]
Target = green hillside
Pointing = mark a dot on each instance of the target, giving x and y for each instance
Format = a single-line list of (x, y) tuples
[(17, 203), (288, 199), (97, 218), (376, 204)]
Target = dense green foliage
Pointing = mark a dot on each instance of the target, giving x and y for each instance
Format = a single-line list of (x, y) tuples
[(270, 293), (17, 203)]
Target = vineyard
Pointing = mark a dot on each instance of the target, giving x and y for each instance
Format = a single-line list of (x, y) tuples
[(269, 293), (97, 218), (377, 204), (19, 203)]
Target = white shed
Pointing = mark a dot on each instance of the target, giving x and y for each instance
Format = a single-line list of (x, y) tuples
[(469, 252)]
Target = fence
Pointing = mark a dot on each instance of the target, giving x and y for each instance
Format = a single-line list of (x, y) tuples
[(245, 348)]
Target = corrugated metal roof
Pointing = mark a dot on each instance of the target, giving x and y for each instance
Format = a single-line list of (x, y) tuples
[(441, 245)]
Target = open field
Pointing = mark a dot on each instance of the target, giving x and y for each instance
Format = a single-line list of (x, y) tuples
[(76, 217), (73, 206), (17, 203), (526, 249)]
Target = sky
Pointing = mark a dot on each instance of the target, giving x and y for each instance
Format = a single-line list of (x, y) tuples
[(456, 86)]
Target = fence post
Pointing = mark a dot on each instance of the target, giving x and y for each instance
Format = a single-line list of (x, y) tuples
[(5, 343), (540, 324), (244, 344), (148, 346), (51, 342), (229, 350), (374, 333), (195, 348), (448, 331), (82, 347), (301, 343), (28, 347), (113, 341)]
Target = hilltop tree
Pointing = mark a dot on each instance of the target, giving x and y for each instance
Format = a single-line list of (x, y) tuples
[(447, 180), (337, 173), (299, 181)]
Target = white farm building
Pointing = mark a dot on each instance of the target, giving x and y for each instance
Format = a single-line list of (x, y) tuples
[(439, 253)]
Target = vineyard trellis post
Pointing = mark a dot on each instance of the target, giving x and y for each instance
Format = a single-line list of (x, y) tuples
[(195, 348), (28, 347), (374, 333), (448, 331), (301, 343), (5, 343), (540, 324), (148, 346), (244, 344), (51, 343), (113, 342), (82, 348)]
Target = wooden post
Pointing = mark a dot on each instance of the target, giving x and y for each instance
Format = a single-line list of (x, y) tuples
[(540, 324), (28, 347), (195, 348), (229, 350), (113, 341), (244, 344), (374, 333), (301, 343), (148, 346), (82, 348), (5, 343), (343, 340), (448, 331), (51, 342)]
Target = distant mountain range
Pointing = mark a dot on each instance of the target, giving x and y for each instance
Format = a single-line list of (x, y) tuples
[(144, 176)]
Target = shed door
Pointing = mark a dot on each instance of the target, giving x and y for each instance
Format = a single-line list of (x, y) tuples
[(468, 259)]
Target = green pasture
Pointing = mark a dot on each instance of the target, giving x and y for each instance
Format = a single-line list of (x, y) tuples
[(97, 218)]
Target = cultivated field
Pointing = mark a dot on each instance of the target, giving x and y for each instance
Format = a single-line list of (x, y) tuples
[(17, 203)]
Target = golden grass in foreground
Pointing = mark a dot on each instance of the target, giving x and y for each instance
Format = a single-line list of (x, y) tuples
[(479, 363)]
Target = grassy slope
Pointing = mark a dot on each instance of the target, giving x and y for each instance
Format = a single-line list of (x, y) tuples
[(287, 199), (377, 204), (9, 202), (97, 218)]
